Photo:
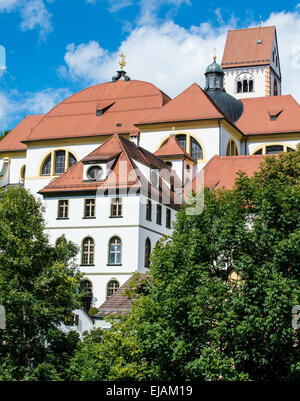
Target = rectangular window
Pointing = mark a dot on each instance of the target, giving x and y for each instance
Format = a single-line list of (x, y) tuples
[(158, 214), (89, 208), (63, 209), (116, 207), (168, 218), (149, 210)]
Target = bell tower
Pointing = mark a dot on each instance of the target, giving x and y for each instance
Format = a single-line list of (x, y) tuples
[(251, 63)]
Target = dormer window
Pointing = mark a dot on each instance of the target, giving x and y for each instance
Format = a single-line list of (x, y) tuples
[(274, 115), (102, 110), (94, 173)]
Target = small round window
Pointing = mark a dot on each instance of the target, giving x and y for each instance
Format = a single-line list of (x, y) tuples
[(94, 173)]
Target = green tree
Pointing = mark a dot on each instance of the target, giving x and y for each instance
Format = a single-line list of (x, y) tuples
[(222, 289), (3, 134), (39, 288)]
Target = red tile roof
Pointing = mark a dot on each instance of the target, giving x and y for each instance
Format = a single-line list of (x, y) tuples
[(191, 104), (131, 101), (118, 302), (12, 141), (123, 174), (221, 171), (171, 148), (257, 111), (242, 49)]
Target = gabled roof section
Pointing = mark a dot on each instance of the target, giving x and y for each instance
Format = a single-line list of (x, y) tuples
[(12, 142), (172, 148), (251, 46), (221, 171), (129, 101), (123, 173), (190, 105), (256, 118)]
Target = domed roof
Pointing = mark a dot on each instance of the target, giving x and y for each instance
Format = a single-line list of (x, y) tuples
[(104, 109), (214, 67), (230, 106)]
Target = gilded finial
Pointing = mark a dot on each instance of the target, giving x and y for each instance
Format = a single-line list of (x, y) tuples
[(122, 62), (215, 57)]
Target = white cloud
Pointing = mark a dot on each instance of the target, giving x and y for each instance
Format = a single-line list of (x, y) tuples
[(14, 106), (7, 5), (168, 55), (173, 57), (34, 14)]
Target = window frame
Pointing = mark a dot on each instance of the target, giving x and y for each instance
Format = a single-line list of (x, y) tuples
[(114, 289), (118, 204), (149, 210), (168, 218), (110, 242), (91, 207), (90, 252), (147, 252), (158, 214), (65, 215)]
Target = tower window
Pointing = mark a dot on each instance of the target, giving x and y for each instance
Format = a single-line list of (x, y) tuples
[(245, 85), (239, 87)]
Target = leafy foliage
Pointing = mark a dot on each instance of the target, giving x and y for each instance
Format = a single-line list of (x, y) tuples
[(222, 291), (39, 288)]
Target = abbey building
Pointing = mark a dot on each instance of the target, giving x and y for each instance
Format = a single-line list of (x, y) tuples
[(110, 163)]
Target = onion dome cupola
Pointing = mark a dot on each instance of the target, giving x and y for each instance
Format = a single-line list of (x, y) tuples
[(230, 106)]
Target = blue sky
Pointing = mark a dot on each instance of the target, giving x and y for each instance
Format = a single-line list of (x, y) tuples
[(57, 47)]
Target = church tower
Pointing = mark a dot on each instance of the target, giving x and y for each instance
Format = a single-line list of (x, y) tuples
[(251, 63)]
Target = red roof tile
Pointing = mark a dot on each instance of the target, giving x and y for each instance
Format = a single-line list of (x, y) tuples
[(12, 141), (191, 104), (221, 171), (118, 302), (131, 101), (257, 111), (242, 49), (123, 174), (172, 148)]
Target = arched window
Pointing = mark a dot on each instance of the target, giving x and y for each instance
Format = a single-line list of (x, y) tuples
[(60, 159), (239, 87), (181, 139), (22, 173), (147, 252), (245, 85), (87, 288), (232, 149), (251, 85), (196, 150), (88, 251), (273, 149), (46, 169), (112, 287), (114, 257)]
